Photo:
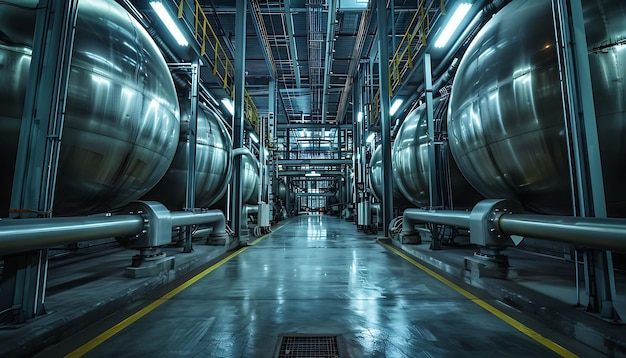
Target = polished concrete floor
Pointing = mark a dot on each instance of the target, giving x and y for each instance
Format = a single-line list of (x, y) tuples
[(317, 275)]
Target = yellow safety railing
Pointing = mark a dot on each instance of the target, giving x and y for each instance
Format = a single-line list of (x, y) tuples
[(210, 45), (413, 40)]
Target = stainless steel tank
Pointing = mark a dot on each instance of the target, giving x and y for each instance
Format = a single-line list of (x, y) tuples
[(250, 183), (213, 163), (411, 168), (285, 194), (376, 180), (506, 122), (122, 115)]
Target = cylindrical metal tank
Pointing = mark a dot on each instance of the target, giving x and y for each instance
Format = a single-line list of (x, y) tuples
[(376, 180), (213, 163), (286, 194), (411, 168), (122, 115), (506, 122), (250, 184)]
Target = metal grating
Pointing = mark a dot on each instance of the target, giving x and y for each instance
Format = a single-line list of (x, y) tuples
[(308, 346)]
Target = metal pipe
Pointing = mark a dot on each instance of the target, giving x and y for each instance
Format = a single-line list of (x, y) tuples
[(215, 217), (593, 232), (203, 233), (30, 234), (458, 218)]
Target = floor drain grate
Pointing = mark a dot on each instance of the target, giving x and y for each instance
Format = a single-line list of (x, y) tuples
[(308, 346)]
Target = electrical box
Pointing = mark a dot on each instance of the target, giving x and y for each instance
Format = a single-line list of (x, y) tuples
[(264, 214)]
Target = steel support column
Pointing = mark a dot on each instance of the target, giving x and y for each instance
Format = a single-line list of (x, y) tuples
[(432, 161), (190, 199), (23, 283), (584, 147), (238, 121), (383, 66)]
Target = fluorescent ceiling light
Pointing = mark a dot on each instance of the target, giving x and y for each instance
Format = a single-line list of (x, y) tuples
[(359, 117), (453, 24), (371, 137), (229, 105), (394, 107), (312, 174), (169, 22), (254, 138)]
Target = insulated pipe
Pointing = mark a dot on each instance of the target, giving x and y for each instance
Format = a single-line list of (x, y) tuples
[(17, 235), (608, 234)]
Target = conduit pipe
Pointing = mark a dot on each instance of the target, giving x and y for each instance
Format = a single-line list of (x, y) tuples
[(603, 233), (214, 217), (244, 151), (456, 218), (17, 235)]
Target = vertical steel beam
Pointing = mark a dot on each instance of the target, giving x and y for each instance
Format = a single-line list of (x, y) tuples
[(22, 289), (271, 118), (190, 198), (585, 149), (432, 162), (238, 121), (383, 66)]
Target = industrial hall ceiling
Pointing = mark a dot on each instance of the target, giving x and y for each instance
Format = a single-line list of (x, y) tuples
[(309, 52)]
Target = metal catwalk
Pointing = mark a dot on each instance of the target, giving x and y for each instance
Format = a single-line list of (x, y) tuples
[(313, 278)]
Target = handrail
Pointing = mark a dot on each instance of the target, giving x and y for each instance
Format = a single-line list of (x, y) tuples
[(407, 50), (191, 11)]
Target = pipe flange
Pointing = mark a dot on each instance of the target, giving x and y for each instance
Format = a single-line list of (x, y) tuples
[(484, 219), (504, 207), (157, 225)]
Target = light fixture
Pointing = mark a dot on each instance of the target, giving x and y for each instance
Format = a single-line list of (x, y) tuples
[(169, 22), (229, 105), (254, 138), (312, 174), (394, 107), (359, 117), (453, 24), (371, 137)]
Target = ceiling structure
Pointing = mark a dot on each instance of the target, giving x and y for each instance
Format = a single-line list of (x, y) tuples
[(312, 54)]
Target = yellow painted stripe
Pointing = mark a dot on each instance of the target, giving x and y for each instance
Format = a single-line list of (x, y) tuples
[(563, 352), (82, 350)]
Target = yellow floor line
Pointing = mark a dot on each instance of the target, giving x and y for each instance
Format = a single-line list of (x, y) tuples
[(82, 350), (563, 352)]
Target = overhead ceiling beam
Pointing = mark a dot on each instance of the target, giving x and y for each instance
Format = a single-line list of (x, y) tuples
[(315, 194), (261, 31), (354, 62), (328, 66), (292, 43), (311, 126), (301, 173), (314, 161)]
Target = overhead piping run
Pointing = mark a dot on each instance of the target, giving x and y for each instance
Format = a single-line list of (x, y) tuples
[(292, 44), (261, 31), (354, 62), (330, 34)]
